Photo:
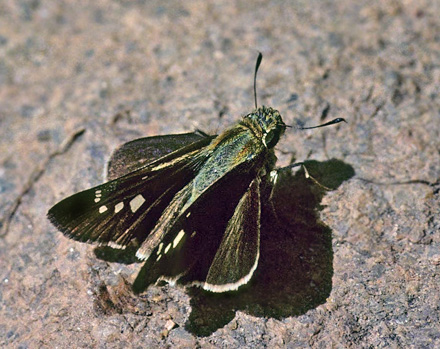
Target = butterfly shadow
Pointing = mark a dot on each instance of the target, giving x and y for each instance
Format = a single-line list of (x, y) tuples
[(295, 267)]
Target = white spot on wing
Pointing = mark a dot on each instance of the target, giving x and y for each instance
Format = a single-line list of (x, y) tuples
[(160, 248), (178, 238), (158, 257), (119, 207), (102, 209), (167, 248), (136, 203), (97, 200)]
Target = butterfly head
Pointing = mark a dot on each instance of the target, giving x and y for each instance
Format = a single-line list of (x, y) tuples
[(268, 122)]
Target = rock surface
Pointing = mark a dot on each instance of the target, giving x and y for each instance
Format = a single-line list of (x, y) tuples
[(78, 79)]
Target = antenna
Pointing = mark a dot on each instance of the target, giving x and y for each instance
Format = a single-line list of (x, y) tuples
[(334, 121), (259, 59)]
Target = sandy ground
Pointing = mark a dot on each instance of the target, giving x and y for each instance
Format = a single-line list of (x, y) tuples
[(360, 268)]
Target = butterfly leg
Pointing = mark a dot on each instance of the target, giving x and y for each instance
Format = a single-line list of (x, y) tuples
[(274, 174), (273, 178)]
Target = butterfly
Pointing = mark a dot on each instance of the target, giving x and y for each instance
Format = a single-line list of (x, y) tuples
[(189, 204)]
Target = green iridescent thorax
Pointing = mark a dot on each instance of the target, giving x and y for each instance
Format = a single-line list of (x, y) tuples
[(266, 123)]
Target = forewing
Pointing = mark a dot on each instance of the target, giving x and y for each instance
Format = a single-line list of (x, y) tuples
[(238, 253), (135, 154), (232, 154), (186, 253), (124, 210)]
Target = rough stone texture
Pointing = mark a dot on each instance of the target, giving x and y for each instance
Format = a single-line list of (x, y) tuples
[(125, 69)]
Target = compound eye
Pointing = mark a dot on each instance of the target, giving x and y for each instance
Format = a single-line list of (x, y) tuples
[(271, 138)]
